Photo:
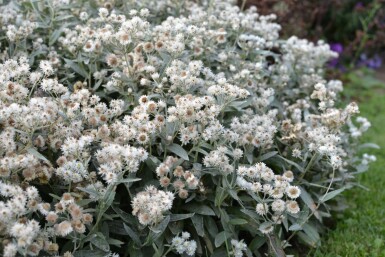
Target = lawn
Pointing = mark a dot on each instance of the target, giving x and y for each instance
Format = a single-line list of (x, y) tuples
[(360, 230)]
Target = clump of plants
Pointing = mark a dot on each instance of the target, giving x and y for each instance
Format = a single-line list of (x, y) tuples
[(165, 128)]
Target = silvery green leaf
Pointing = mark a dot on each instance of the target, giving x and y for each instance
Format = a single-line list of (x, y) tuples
[(115, 242), (311, 230), (92, 192), (199, 209), (178, 150), (197, 221), (267, 156), (134, 251), (176, 217), (124, 215), (158, 230), (331, 195), (132, 234), (369, 145), (152, 162), (238, 222), (257, 242), (129, 180), (38, 155), (292, 163), (251, 214), (55, 35), (176, 227), (88, 253), (211, 226), (266, 225), (306, 239), (221, 238), (76, 67), (295, 227), (100, 242), (309, 202)]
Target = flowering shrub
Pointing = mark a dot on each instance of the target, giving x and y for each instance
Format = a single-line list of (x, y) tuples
[(354, 28), (164, 128)]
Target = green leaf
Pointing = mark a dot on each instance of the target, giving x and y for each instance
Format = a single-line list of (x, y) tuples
[(157, 231), (152, 162), (76, 67), (161, 227), (132, 234), (133, 251), (234, 194), (38, 155), (257, 242), (221, 238), (295, 227), (331, 195), (92, 192), (129, 180), (309, 202), (310, 235), (109, 198), (176, 227), (265, 225), (369, 145), (252, 214), (116, 227), (197, 221), (220, 196), (200, 209), (128, 218), (211, 226), (178, 150), (292, 163), (238, 222), (312, 232), (176, 217), (100, 242), (54, 36), (115, 242), (88, 253), (267, 156)]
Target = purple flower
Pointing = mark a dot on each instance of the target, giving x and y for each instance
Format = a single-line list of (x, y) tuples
[(337, 47), (372, 63), (359, 6)]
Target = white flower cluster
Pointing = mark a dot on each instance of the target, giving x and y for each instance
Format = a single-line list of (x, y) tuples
[(28, 236), (72, 171), (276, 193), (150, 205), (19, 203), (183, 245), (115, 159), (181, 180), (104, 92), (238, 247)]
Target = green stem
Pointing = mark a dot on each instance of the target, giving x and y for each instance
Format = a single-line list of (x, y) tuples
[(309, 165)]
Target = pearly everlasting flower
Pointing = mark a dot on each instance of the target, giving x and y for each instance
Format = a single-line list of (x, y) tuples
[(292, 207), (149, 205), (72, 171), (183, 245), (64, 228), (262, 208), (238, 247), (293, 192)]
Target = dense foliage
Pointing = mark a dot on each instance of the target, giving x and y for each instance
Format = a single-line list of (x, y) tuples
[(158, 128), (354, 29)]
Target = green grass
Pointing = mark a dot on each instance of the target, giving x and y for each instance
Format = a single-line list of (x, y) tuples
[(360, 230)]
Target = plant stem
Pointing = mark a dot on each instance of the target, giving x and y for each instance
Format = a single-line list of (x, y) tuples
[(311, 162)]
